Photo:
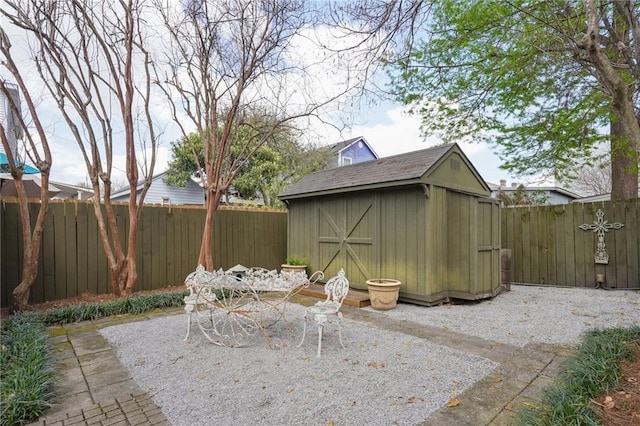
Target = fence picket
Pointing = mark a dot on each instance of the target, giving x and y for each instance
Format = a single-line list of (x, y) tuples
[(547, 244), (72, 259), (565, 256)]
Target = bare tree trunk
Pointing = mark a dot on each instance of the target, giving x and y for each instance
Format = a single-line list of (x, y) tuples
[(205, 257), (128, 281), (39, 149), (624, 163), (625, 128), (85, 53)]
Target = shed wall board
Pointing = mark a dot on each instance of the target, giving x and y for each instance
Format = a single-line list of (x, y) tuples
[(401, 226), (460, 241)]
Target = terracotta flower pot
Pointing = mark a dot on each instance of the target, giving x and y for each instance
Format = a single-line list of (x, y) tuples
[(293, 268), (383, 293)]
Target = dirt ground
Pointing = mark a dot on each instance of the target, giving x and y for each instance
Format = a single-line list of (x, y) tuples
[(618, 408), (622, 407)]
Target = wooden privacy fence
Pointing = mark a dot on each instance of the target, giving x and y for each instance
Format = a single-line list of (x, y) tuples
[(550, 247), (72, 259)]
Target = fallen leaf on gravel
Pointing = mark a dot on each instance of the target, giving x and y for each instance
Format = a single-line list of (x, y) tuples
[(453, 402), (609, 403), (375, 364), (290, 390), (353, 403), (497, 379)]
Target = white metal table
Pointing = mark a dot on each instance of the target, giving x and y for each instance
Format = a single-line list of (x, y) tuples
[(229, 308)]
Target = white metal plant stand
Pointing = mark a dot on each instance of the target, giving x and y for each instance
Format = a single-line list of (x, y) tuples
[(229, 308)]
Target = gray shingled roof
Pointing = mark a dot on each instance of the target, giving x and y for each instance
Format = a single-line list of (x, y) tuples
[(342, 145), (403, 167)]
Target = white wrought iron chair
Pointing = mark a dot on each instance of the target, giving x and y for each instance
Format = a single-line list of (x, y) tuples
[(336, 290)]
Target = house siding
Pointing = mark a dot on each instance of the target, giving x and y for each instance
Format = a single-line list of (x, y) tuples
[(190, 194), (357, 153)]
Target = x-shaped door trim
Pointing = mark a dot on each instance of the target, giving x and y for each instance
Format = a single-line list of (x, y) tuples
[(343, 239)]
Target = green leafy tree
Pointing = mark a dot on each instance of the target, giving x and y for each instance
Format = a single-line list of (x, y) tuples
[(274, 165), (522, 197), (542, 79)]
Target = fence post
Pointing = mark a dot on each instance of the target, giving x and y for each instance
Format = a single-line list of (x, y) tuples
[(505, 268)]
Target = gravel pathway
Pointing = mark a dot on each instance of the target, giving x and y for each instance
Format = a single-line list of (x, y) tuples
[(382, 378)]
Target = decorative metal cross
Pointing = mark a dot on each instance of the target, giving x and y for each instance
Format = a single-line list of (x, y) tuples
[(600, 226)]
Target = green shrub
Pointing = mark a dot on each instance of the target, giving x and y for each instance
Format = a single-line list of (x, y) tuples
[(27, 375), (594, 370), (27, 367), (126, 305)]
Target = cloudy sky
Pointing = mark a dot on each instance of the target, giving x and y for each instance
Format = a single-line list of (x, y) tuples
[(385, 126)]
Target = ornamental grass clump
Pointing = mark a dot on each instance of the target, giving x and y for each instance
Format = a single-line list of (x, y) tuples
[(27, 366), (129, 305), (27, 375), (595, 369)]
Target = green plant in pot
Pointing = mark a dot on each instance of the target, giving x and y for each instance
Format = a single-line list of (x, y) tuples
[(294, 264)]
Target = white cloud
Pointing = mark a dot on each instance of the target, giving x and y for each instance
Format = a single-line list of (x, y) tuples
[(391, 130)]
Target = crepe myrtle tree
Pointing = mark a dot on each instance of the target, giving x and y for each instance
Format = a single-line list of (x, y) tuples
[(92, 58), (228, 61), (37, 144)]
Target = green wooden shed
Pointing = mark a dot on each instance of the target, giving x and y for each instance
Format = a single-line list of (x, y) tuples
[(424, 218)]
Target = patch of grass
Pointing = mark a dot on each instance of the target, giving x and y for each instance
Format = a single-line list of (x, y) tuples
[(594, 370), (27, 375), (27, 366)]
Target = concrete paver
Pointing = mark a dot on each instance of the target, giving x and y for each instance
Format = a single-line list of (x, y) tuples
[(97, 388)]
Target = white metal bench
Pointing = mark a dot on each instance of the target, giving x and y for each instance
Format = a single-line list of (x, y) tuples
[(230, 307)]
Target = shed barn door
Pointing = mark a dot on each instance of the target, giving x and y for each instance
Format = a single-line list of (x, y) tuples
[(347, 238)]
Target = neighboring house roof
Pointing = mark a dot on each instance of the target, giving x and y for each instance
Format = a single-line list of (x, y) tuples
[(556, 189), (4, 165), (403, 169), (556, 194), (164, 193), (594, 198), (31, 182), (74, 192)]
